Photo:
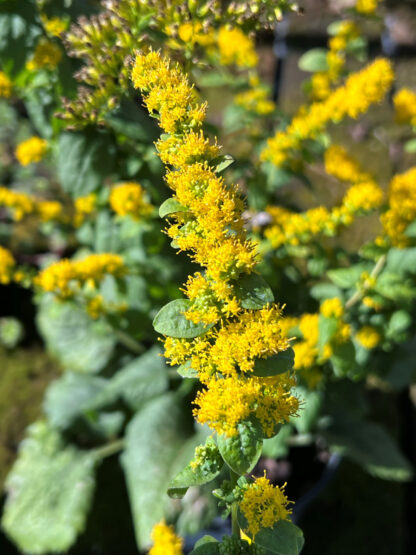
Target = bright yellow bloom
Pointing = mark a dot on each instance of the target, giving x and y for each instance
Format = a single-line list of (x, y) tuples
[(363, 196), (65, 278), (54, 26), (405, 106), (7, 264), (366, 7), (47, 55), (236, 48), (332, 308), (49, 210), (129, 199), (402, 207), (361, 90), (83, 207), (320, 85), (30, 151), (368, 337), (256, 100), (20, 204), (165, 541), (263, 505), (339, 164), (5, 86)]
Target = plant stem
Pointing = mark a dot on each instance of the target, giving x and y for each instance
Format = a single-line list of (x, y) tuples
[(128, 341), (358, 294), (109, 449), (235, 527)]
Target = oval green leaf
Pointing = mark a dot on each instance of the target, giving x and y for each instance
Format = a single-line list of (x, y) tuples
[(314, 60), (170, 206), (274, 365), (253, 292), (170, 320), (242, 451)]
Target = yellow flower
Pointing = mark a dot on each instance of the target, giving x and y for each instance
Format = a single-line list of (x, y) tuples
[(47, 54), (366, 7), (256, 100), (64, 278), (368, 337), (263, 505), (30, 151), (363, 196), (95, 306), (83, 207), (19, 203), (405, 106), (5, 86), (7, 264), (360, 91), (54, 26), (49, 210), (236, 48), (165, 541), (129, 199), (402, 207), (339, 164), (332, 308)]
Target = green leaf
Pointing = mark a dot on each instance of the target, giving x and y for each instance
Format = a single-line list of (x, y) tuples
[(394, 287), (314, 60), (410, 146), (67, 397), (347, 277), (50, 490), (155, 443), (85, 160), (207, 548), (204, 540), (322, 291), (311, 403), (79, 343), (18, 34), (276, 364), (186, 371), (222, 162), (202, 474), (327, 329), (253, 292), (170, 206), (401, 261), (142, 379), (283, 539), (399, 322), (171, 321), (370, 446), (242, 451)]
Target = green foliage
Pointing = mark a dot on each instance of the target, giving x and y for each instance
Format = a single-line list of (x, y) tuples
[(50, 492), (283, 539), (253, 292), (274, 365), (242, 451), (314, 60), (170, 320)]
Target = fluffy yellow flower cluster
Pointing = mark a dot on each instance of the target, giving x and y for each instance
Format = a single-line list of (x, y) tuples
[(5, 86), (236, 48), (256, 99), (65, 278), (405, 106), (332, 308), (402, 207), (364, 196), (53, 26), (368, 337), (208, 223), (165, 541), (129, 199), (336, 57), (21, 205), (263, 505), (84, 206), (360, 91), (7, 264), (47, 55), (366, 7), (30, 151)]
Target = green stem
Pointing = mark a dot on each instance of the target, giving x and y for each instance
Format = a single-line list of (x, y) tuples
[(235, 527), (109, 449), (128, 341), (358, 294)]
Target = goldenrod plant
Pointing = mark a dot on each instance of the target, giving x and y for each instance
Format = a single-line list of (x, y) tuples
[(220, 280)]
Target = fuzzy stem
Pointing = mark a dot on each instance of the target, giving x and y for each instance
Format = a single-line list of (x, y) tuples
[(128, 341), (235, 527), (109, 449)]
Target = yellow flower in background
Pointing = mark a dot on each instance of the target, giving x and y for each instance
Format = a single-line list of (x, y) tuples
[(84, 206), (332, 308), (49, 210), (402, 207), (263, 505), (256, 100), (368, 337), (20, 204), (405, 106), (54, 26), (7, 264), (165, 541), (363, 196), (129, 199), (65, 277), (47, 55), (236, 48), (6, 86), (339, 164), (30, 151), (366, 7)]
